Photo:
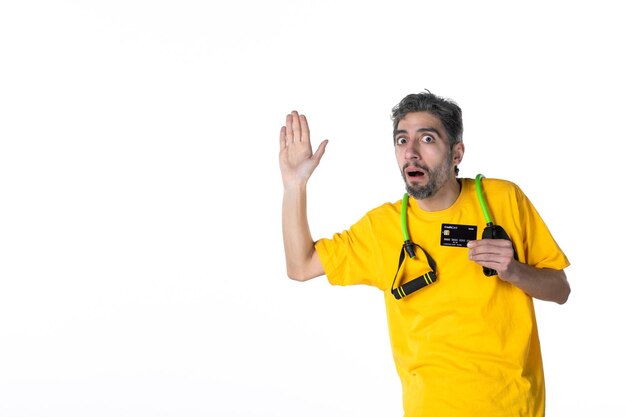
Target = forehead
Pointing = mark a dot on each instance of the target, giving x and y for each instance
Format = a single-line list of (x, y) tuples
[(414, 121)]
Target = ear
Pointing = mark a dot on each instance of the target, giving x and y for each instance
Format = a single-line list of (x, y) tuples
[(458, 150)]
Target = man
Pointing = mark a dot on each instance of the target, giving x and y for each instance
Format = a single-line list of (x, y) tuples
[(460, 309)]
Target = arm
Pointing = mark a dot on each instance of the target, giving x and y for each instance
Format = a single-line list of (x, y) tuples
[(542, 283), (297, 163)]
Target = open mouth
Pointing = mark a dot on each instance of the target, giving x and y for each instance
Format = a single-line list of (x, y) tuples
[(414, 172)]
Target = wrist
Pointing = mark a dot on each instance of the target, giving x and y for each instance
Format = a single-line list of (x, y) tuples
[(294, 186)]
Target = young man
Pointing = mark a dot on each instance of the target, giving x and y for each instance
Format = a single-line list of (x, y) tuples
[(460, 309)]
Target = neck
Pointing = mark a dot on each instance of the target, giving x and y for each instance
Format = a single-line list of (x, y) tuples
[(443, 198)]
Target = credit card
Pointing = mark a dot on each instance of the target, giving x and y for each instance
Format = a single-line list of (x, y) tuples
[(457, 234)]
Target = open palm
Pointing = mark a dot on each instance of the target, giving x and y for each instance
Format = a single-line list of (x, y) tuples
[(297, 160)]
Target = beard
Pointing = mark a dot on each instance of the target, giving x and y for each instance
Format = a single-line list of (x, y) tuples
[(437, 177)]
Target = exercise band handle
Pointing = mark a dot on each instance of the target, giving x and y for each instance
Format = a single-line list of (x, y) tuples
[(481, 199)]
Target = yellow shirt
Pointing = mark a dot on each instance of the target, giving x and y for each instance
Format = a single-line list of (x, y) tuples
[(467, 345)]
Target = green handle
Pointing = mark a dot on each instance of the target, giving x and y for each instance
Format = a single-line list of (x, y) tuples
[(405, 229), (481, 198)]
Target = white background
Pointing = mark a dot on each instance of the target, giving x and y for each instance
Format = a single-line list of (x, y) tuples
[(141, 260)]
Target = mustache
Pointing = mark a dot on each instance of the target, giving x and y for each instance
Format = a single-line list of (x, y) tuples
[(416, 165)]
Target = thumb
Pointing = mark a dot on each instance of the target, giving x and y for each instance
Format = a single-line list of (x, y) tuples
[(317, 156)]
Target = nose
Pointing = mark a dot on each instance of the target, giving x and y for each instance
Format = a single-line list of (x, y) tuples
[(411, 150)]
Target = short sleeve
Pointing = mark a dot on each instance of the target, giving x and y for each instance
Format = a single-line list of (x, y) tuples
[(541, 249), (353, 256)]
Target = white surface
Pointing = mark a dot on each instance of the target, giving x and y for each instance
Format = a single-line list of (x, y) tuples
[(141, 260)]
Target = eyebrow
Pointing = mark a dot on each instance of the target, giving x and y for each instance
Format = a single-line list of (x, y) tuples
[(422, 130)]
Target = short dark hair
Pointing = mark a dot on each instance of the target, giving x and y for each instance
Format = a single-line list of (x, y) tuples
[(448, 112)]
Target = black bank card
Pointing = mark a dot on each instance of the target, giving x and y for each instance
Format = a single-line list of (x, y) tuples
[(457, 234)]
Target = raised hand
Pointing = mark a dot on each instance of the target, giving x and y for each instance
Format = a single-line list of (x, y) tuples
[(296, 157)]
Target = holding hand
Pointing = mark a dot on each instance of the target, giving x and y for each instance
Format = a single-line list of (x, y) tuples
[(542, 283), (497, 254), (297, 161)]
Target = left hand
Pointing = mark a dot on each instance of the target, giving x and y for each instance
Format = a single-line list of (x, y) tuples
[(497, 254)]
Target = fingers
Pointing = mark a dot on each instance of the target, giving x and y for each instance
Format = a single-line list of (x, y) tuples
[(283, 138), (289, 130), (497, 247), (296, 129), (304, 125), (486, 243), (295, 125), (492, 253)]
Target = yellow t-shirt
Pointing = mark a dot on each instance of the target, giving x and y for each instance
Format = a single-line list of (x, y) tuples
[(466, 345)]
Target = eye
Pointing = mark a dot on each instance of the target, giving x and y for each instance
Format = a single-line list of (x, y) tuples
[(401, 140), (428, 139)]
